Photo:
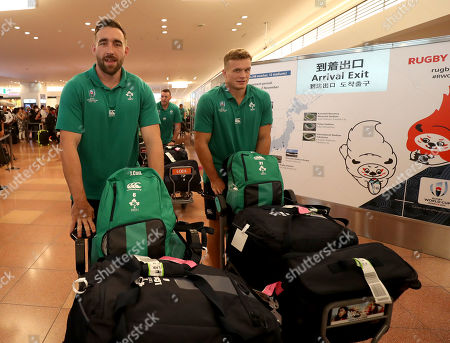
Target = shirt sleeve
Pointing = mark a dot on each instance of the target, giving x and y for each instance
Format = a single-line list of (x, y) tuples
[(204, 115), (148, 115), (70, 113), (177, 116), (267, 115)]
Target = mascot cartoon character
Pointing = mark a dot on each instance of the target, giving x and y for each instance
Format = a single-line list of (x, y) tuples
[(368, 157), (429, 138)]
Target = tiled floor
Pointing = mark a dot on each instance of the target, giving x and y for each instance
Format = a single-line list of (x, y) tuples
[(37, 261)]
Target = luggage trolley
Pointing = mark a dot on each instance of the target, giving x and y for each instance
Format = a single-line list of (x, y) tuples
[(182, 179), (379, 317)]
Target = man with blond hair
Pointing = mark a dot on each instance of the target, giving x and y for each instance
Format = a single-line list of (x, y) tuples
[(232, 117)]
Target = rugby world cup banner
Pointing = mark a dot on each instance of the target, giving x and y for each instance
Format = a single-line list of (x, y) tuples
[(367, 129)]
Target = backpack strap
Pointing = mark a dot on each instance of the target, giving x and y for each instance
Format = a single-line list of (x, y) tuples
[(194, 245)]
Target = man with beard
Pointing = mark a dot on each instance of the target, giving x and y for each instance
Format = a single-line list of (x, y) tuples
[(100, 114), (169, 115)]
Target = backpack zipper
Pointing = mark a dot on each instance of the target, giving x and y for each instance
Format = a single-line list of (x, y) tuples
[(244, 166), (114, 202)]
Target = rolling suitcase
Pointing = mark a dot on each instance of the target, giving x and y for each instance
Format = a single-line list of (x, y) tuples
[(162, 301), (182, 176), (338, 299), (43, 137)]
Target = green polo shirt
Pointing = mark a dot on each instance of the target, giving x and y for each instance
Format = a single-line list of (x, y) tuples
[(109, 121), (168, 118), (233, 128)]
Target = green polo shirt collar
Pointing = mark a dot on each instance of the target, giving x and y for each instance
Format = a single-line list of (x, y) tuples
[(92, 73), (229, 96)]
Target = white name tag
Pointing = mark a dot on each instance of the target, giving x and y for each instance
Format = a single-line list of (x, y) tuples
[(239, 238)]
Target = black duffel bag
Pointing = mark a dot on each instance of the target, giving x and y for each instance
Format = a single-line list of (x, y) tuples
[(183, 304), (307, 292), (182, 176), (173, 153), (274, 231)]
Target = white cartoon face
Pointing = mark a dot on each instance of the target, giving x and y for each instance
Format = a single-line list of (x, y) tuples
[(373, 171), (432, 142)]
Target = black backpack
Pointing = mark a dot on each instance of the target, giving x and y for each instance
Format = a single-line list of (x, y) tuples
[(176, 303), (275, 231)]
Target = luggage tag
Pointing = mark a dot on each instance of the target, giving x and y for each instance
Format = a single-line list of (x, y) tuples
[(169, 155), (377, 288), (240, 237), (155, 268)]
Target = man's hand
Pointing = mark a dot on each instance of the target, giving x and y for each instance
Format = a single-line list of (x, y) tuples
[(83, 216), (217, 186)]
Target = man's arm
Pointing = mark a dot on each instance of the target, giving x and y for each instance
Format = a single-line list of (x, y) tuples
[(176, 132), (153, 145), (82, 212), (263, 144), (205, 157)]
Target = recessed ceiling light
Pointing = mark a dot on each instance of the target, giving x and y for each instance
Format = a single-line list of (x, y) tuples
[(92, 29), (164, 19), (167, 78), (233, 29), (164, 32), (195, 77), (27, 33), (17, 27), (164, 26), (244, 17), (238, 24), (36, 37), (87, 23)]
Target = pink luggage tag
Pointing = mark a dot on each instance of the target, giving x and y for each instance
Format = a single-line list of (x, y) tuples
[(191, 264)]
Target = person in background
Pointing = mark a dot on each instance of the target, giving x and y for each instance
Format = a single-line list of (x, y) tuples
[(232, 117), (22, 121), (182, 112), (169, 116), (100, 114)]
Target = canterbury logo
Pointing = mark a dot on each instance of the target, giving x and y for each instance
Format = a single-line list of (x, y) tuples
[(259, 158), (134, 185)]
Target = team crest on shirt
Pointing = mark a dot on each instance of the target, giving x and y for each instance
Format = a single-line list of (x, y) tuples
[(92, 96), (171, 111), (222, 107), (252, 106), (129, 95)]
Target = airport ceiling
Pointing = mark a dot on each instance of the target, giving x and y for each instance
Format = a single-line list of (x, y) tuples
[(202, 28)]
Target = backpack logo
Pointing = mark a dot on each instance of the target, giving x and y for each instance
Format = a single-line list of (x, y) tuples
[(129, 95), (259, 158), (262, 169), (134, 203), (278, 213), (134, 186)]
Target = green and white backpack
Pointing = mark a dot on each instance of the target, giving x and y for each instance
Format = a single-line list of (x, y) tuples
[(253, 180), (136, 216)]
